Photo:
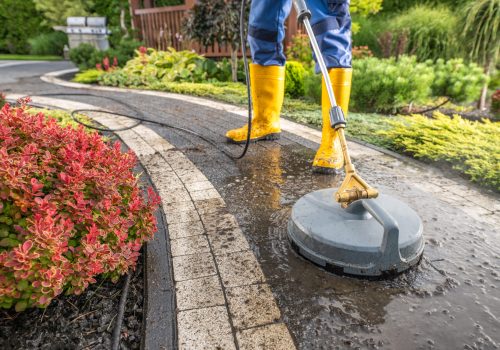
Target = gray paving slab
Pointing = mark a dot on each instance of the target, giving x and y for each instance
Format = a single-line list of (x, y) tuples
[(460, 257)]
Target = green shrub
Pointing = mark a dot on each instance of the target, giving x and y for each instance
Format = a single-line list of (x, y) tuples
[(369, 32), (86, 56), (471, 147), (312, 86), (300, 50), (458, 80), (495, 103), (123, 52), (294, 79), (151, 67), (431, 31), (90, 76), (48, 44), (384, 85), (19, 20), (159, 3), (127, 48), (82, 55), (63, 118), (494, 80)]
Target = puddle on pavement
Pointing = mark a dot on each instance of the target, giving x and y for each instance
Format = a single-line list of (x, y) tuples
[(450, 301)]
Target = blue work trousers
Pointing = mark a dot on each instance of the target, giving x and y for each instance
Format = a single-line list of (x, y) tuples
[(331, 23)]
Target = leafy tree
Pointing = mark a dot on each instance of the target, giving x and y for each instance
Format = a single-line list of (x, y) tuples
[(482, 26), (55, 12), (19, 21), (118, 17), (365, 7), (216, 21)]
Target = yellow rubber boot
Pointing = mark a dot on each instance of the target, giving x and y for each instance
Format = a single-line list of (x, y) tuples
[(268, 89), (329, 158)]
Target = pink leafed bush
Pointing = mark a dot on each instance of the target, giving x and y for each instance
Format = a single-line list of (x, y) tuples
[(71, 209)]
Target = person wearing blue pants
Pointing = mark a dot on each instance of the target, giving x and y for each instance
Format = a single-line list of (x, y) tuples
[(331, 23)]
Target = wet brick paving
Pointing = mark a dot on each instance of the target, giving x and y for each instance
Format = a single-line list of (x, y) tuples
[(450, 301)]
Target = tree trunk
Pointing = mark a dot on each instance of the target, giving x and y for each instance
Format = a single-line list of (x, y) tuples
[(484, 92), (123, 26), (234, 64)]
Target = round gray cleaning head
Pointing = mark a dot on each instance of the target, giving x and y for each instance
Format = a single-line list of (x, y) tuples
[(372, 237)]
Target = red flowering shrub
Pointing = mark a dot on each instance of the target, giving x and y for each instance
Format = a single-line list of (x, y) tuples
[(70, 209), (104, 66)]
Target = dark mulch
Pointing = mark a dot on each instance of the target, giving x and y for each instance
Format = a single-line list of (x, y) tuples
[(78, 322)]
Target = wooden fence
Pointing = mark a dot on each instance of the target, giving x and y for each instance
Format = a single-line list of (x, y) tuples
[(161, 27)]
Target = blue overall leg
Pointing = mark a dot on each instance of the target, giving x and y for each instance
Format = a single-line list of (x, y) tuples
[(331, 24), (266, 31)]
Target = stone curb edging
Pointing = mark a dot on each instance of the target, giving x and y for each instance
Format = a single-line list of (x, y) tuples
[(223, 300)]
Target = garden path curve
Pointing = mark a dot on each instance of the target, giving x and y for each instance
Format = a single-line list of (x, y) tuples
[(266, 303)]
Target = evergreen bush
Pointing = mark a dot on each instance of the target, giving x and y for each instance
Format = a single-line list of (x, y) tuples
[(294, 79), (312, 86), (471, 147), (18, 21), (82, 55), (86, 56), (431, 31), (458, 80), (385, 85), (48, 44)]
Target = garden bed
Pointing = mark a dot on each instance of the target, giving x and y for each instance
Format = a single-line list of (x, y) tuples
[(85, 321), (475, 163)]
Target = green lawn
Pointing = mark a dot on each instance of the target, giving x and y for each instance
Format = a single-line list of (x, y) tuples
[(29, 57)]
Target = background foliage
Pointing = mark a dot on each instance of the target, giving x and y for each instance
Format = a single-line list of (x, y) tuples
[(472, 148), (386, 85), (19, 20), (48, 44), (55, 12), (431, 31)]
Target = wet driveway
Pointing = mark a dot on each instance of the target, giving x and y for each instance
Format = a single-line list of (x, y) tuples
[(450, 301)]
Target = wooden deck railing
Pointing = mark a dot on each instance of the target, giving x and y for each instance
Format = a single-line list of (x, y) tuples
[(161, 27)]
